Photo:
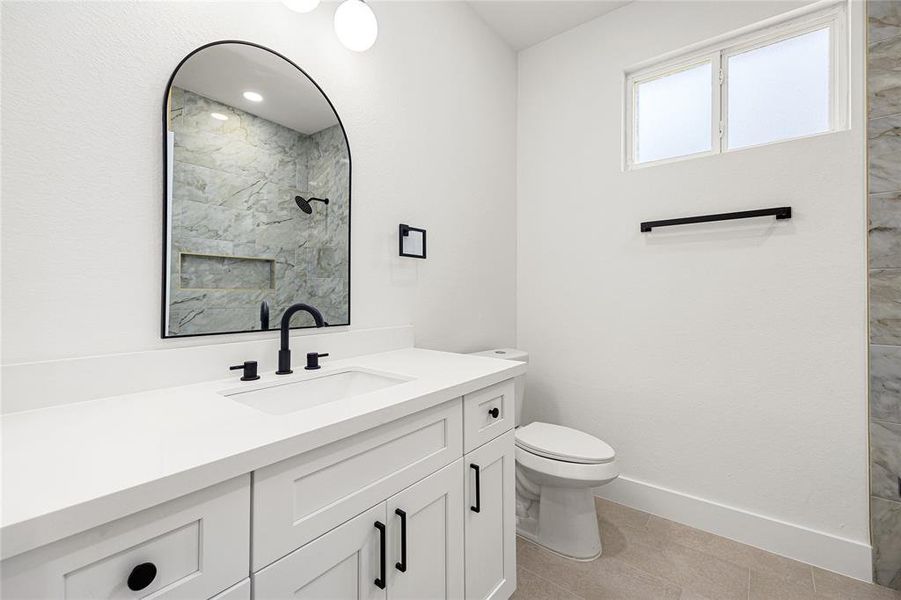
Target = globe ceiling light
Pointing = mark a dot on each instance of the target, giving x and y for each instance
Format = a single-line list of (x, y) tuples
[(355, 25)]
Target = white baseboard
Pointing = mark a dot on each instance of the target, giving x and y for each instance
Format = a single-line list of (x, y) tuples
[(817, 548)]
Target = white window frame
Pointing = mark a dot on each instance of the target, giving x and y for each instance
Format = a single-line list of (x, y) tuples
[(717, 53)]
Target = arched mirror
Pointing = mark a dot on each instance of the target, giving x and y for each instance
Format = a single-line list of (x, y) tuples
[(257, 202)]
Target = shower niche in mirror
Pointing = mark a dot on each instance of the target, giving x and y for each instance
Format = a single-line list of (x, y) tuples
[(257, 202)]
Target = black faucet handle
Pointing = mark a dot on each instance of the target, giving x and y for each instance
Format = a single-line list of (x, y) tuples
[(313, 360), (250, 370)]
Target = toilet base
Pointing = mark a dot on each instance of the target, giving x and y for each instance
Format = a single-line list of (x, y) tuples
[(566, 522)]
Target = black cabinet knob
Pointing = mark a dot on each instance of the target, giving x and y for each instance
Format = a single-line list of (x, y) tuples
[(494, 412), (141, 576)]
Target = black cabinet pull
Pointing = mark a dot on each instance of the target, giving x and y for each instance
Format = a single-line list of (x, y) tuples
[(402, 565), (478, 504), (380, 581), (141, 576), (495, 412)]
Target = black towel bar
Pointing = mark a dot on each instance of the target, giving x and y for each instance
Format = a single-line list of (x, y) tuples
[(781, 212)]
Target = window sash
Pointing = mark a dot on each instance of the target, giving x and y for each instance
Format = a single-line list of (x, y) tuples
[(833, 18), (835, 105), (715, 103)]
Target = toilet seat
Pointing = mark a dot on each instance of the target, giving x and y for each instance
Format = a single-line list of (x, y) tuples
[(556, 442), (559, 473)]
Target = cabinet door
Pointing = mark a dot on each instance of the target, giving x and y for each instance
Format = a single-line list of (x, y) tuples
[(490, 520), (343, 564), (426, 538)]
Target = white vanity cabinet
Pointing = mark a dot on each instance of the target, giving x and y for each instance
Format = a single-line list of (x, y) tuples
[(491, 520), (418, 507), (343, 563), (425, 541), (448, 535), (190, 548), (487, 413), (301, 498), (408, 547)]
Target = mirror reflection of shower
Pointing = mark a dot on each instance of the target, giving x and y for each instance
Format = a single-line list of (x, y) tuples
[(233, 238), (305, 206)]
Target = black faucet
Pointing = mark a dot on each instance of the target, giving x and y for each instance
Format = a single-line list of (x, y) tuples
[(284, 354), (264, 315)]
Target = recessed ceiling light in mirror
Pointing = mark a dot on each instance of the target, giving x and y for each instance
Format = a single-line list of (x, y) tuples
[(219, 116), (253, 96)]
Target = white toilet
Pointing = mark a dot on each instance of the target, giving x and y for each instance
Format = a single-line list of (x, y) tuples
[(556, 469)]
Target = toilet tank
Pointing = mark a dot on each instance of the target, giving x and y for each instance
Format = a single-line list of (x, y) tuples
[(520, 383)]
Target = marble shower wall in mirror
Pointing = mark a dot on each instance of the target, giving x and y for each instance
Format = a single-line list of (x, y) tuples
[(238, 235)]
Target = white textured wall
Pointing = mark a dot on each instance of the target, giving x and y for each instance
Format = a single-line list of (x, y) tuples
[(429, 113), (727, 362)]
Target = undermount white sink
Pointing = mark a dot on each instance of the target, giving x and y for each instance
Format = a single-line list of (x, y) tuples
[(292, 396)]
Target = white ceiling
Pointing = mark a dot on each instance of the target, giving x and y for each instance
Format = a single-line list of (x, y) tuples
[(224, 72), (524, 23)]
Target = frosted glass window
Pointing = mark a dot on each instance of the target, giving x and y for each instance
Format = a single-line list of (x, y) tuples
[(674, 114), (779, 91)]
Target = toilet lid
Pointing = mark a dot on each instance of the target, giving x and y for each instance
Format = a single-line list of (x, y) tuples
[(562, 443)]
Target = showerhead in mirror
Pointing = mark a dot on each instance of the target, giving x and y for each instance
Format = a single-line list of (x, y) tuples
[(304, 205)]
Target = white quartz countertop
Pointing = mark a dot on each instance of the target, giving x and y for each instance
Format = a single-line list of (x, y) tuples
[(68, 468)]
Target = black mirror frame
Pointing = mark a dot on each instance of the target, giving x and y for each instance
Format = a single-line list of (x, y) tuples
[(165, 266)]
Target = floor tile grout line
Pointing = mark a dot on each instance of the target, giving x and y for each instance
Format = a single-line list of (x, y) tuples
[(647, 521), (682, 546), (692, 549), (811, 568), (553, 583), (638, 569), (668, 581)]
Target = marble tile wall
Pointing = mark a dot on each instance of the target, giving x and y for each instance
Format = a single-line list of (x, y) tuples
[(234, 184), (884, 156)]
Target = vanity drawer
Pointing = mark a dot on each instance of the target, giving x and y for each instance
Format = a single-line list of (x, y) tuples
[(488, 413), (191, 547), (300, 498)]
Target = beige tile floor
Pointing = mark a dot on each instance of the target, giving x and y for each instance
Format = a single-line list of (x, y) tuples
[(649, 558)]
